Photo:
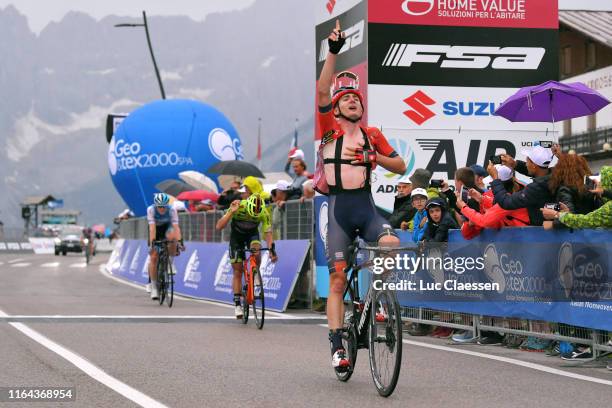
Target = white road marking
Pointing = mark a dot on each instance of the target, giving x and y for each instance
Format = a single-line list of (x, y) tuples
[(50, 265), (1, 263), (20, 264), (78, 265), (533, 366), (145, 317), (88, 368), (102, 270), (15, 260)]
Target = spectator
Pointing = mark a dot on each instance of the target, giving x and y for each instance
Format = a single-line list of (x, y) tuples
[(403, 211), (284, 192), (309, 191), (294, 154), (229, 195), (492, 216), (480, 173), (205, 205), (301, 175), (419, 222), (599, 218), (567, 185), (534, 195), (439, 221)]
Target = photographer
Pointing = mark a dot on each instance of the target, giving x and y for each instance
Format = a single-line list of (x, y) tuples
[(534, 195), (599, 218)]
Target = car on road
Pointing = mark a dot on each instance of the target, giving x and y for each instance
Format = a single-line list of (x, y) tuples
[(69, 240)]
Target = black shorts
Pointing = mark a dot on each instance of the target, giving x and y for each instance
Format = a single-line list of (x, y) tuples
[(238, 243)]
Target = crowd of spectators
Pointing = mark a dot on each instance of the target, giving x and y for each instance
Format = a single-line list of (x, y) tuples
[(562, 193)]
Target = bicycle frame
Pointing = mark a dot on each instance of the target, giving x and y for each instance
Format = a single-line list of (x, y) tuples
[(249, 265)]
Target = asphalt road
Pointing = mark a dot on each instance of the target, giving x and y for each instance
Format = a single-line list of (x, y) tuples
[(125, 350)]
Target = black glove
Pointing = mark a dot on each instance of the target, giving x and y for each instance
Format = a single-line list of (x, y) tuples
[(336, 46)]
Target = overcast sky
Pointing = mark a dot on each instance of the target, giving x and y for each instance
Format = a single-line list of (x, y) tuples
[(41, 12)]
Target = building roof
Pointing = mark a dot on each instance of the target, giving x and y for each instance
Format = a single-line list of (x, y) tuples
[(37, 200), (594, 24)]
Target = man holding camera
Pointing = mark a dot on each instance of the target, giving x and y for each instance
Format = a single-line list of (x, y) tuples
[(534, 195)]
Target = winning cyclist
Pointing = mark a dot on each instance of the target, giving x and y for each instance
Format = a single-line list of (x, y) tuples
[(246, 215), (350, 151), (163, 223)]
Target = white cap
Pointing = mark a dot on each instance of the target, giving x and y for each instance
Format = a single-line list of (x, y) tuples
[(298, 154), (283, 185), (208, 201), (405, 179), (242, 189), (419, 191), (504, 173), (541, 156), (179, 205)]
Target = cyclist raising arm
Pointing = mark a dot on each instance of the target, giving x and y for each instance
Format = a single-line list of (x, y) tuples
[(245, 216), (350, 151), (163, 223)]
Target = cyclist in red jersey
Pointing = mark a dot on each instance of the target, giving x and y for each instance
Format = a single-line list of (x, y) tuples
[(350, 152)]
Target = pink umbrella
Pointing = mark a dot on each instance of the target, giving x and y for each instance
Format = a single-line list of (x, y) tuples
[(198, 195)]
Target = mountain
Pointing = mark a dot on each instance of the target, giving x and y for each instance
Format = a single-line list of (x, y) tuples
[(60, 85)]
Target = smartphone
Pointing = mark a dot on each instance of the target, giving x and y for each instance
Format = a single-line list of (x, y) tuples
[(553, 206), (589, 183), (436, 183), (496, 159), (464, 194)]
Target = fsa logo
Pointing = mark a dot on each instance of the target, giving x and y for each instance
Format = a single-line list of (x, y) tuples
[(420, 113), (354, 37), (465, 57)]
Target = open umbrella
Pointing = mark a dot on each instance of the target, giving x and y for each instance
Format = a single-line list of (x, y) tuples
[(236, 168), (550, 102), (173, 187), (198, 195), (199, 181)]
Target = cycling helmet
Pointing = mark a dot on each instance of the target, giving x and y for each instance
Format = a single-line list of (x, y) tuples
[(346, 82), (161, 199), (254, 205)]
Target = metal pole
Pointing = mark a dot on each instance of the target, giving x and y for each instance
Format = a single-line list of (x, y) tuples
[(159, 81)]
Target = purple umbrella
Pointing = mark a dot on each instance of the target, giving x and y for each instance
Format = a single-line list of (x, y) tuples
[(550, 102)]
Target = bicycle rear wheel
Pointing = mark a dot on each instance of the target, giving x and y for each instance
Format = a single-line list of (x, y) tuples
[(385, 341), (259, 307), (245, 304), (349, 338)]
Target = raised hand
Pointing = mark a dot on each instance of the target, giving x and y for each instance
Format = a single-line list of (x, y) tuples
[(336, 39)]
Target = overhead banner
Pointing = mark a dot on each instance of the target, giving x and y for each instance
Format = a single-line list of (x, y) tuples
[(203, 271)]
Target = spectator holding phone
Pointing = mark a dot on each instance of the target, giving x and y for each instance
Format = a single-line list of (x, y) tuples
[(534, 195), (480, 173)]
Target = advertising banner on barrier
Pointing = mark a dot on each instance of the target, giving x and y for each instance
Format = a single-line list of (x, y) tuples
[(204, 271), (561, 276), (42, 245)]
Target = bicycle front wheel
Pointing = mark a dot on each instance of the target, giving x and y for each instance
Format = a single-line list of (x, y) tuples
[(161, 280), (259, 307), (170, 285), (385, 341)]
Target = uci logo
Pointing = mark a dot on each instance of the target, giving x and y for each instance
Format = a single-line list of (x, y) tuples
[(417, 7), (222, 147)]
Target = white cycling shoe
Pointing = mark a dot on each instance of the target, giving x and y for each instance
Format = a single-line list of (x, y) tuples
[(238, 312), (339, 361), (154, 292)]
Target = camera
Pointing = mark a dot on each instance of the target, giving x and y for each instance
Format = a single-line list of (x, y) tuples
[(436, 183), (553, 206), (496, 159), (464, 194)]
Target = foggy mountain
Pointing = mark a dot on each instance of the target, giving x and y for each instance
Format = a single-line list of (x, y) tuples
[(60, 85)]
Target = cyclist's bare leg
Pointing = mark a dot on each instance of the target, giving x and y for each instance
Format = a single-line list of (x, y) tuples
[(335, 303), (172, 236), (153, 264), (237, 280)]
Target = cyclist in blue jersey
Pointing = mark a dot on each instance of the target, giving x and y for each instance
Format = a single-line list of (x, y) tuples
[(163, 223)]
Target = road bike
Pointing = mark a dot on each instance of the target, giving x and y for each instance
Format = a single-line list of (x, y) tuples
[(165, 272), (253, 289), (374, 323)]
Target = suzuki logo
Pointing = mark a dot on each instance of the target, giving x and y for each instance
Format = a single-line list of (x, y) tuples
[(419, 113), (417, 7), (330, 6), (464, 57)]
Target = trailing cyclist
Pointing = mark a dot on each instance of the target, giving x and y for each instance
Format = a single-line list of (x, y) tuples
[(246, 216), (348, 153), (163, 223)]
